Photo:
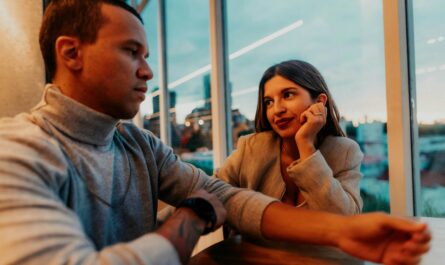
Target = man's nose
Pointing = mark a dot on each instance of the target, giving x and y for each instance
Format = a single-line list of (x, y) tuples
[(144, 71)]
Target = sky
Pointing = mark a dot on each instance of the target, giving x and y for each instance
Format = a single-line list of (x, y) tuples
[(342, 38)]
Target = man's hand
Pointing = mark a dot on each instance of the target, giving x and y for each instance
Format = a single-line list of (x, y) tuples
[(184, 227), (383, 238)]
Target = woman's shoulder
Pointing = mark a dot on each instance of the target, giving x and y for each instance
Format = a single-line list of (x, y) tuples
[(337, 145), (259, 139), (336, 148), (339, 142)]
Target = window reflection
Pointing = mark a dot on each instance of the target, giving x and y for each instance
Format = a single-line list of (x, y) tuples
[(150, 107), (188, 74), (344, 40), (429, 43)]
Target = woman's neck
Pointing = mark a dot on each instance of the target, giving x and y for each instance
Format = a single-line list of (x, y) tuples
[(289, 148)]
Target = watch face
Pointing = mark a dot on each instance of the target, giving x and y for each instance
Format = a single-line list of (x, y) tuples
[(203, 209)]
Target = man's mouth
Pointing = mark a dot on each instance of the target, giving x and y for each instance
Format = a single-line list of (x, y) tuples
[(142, 89)]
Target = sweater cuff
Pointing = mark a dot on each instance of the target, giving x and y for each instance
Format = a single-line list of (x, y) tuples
[(310, 173), (248, 218), (155, 249)]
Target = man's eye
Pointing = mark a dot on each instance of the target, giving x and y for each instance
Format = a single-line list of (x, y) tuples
[(132, 51)]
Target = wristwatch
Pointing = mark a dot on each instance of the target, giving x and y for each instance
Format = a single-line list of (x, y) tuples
[(203, 209)]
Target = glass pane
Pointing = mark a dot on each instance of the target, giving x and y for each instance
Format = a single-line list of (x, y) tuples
[(429, 49), (150, 107), (188, 63), (344, 40)]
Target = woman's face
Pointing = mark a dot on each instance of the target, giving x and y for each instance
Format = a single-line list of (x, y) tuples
[(284, 102)]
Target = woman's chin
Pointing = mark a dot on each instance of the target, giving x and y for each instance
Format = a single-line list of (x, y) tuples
[(286, 134)]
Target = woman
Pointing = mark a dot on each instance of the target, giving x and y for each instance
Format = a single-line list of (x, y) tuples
[(299, 154)]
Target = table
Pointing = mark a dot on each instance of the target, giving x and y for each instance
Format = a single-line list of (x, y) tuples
[(236, 250), (436, 255)]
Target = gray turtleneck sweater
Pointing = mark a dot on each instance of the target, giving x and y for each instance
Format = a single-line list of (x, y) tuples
[(80, 187)]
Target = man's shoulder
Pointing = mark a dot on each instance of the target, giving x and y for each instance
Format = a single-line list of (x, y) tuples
[(20, 126), (23, 134)]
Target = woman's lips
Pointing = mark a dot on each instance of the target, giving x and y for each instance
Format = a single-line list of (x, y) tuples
[(283, 123)]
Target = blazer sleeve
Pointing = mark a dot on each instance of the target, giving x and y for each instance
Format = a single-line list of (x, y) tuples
[(230, 171), (333, 189)]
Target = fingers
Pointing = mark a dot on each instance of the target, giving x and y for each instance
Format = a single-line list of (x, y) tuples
[(317, 110), (404, 224), (418, 244), (403, 260)]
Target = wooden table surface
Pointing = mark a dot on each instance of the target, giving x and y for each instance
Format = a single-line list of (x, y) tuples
[(236, 250)]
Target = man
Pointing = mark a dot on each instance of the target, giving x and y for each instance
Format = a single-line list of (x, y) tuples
[(78, 186)]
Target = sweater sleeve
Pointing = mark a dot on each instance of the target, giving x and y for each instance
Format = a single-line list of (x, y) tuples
[(36, 227), (325, 189), (178, 179)]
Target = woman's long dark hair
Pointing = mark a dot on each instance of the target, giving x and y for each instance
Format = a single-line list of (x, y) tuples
[(308, 77)]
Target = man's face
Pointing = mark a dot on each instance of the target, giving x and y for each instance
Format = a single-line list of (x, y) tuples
[(115, 72)]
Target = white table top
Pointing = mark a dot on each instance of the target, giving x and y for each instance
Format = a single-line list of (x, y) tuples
[(436, 256)]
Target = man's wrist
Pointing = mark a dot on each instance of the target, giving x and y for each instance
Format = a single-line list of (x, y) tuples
[(203, 209), (186, 212)]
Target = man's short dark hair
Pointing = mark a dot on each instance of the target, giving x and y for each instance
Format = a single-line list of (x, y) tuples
[(76, 18)]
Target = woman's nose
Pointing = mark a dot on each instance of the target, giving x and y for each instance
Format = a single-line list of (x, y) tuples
[(279, 107)]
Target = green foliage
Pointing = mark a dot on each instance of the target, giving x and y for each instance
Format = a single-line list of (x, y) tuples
[(430, 211), (374, 202)]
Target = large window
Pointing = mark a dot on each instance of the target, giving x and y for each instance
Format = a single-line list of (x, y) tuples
[(344, 40), (188, 77), (150, 107), (429, 50)]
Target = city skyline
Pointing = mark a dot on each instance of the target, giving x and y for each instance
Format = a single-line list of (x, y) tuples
[(352, 62)]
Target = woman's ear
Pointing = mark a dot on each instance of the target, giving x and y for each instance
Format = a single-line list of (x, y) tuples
[(68, 52), (322, 98)]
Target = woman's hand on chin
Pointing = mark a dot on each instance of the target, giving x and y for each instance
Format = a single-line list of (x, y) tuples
[(312, 121)]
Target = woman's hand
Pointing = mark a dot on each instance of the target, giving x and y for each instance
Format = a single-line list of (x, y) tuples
[(383, 238), (312, 120)]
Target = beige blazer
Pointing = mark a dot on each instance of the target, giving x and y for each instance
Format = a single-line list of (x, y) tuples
[(328, 180)]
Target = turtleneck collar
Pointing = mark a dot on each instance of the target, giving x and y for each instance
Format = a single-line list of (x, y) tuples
[(75, 119)]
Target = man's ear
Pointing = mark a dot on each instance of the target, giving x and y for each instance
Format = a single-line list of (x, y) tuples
[(322, 98), (68, 52)]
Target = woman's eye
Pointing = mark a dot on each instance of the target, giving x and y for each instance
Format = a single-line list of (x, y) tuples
[(288, 94), (268, 103)]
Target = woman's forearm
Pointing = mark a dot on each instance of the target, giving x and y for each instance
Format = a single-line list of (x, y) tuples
[(286, 223)]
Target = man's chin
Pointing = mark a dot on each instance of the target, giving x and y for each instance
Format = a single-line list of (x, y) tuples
[(126, 114)]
